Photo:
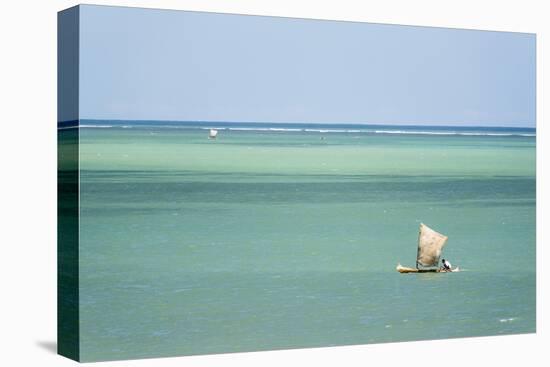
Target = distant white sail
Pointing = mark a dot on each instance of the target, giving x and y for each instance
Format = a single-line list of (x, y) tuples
[(430, 244), (213, 133)]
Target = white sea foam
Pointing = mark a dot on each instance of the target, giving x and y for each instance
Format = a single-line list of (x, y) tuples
[(412, 132), (508, 319), (283, 129), (97, 126), (495, 134), (448, 133), (167, 126), (331, 130), (248, 129), (322, 131)]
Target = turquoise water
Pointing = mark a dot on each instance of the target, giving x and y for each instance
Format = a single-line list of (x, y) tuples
[(267, 239)]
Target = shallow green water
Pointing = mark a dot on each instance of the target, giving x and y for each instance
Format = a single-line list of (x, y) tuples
[(267, 240)]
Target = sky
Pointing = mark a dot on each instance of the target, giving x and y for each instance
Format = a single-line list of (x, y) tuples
[(149, 64)]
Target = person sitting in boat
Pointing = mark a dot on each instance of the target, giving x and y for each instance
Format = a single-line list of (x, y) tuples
[(445, 265)]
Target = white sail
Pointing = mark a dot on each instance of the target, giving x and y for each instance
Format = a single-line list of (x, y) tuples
[(213, 133), (430, 245)]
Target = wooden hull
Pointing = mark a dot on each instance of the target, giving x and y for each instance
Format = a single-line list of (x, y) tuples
[(404, 269)]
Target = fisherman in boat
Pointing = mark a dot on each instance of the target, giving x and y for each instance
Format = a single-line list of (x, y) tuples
[(445, 265)]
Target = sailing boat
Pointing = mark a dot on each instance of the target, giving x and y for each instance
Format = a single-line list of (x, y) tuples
[(430, 245), (213, 133)]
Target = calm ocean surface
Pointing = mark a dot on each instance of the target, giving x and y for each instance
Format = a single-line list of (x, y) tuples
[(285, 236)]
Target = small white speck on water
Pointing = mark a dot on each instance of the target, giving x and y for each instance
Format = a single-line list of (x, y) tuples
[(388, 326)]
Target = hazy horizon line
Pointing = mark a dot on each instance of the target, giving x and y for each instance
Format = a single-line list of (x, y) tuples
[(309, 123)]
